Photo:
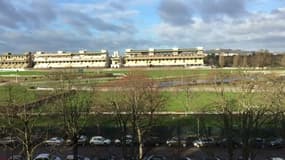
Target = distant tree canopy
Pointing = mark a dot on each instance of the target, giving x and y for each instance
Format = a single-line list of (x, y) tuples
[(256, 59)]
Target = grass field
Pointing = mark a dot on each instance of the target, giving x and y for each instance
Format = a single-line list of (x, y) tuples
[(151, 72), (177, 101), (19, 95)]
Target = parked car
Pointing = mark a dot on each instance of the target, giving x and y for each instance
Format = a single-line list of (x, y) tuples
[(203, 142), (241, 158), (185, 158), (99, 140), (55, 141), (275, 158), (79, 157), (276, 143), (152, 141), (9, 141), (175, 141), (82, 140), (214, 158), (128, 140), (16, 157), (46, 156), (224, 142), (155, 157), (258, 142)]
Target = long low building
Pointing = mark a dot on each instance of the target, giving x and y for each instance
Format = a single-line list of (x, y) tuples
[(82, 59), (164, 57), (101, 59), (11, 61)]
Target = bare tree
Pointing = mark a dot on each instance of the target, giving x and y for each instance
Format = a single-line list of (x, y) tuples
[(21, 120), (140, 98), (74, 108), (226, 104), (252, 110)]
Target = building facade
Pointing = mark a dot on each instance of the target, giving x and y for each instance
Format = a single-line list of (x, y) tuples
[(82, 59), (164, 57), (10, 61), (116, 60), (101, 59)]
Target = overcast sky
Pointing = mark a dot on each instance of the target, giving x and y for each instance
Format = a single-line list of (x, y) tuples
[(70, 25)]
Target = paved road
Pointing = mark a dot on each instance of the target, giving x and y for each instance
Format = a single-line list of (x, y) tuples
[(170, 153)]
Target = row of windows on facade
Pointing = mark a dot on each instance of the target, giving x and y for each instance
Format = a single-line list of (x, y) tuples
[(159, 60), (92, 61), (163, 55), (13, 62)]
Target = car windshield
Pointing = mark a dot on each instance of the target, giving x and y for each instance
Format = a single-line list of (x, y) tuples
[(41, 159), (71, 157), (157, 158)]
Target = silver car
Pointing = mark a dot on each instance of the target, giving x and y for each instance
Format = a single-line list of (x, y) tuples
[(46, 156)]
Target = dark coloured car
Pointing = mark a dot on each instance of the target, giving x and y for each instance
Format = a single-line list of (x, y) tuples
[(82, 140), (276, 143), (152, 141), (129, 140), (182, 141), (258, 143), (185, 158), (155, 157), (225, 142)]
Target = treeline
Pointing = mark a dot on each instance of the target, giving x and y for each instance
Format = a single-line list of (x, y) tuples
[(256, 59)]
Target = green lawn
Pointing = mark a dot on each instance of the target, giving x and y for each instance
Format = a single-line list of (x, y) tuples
[(23, 73), (19, 95)]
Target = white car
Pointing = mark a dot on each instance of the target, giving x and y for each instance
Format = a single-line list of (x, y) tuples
[(46, 156), (203, 142), (79, 157), (55, 141), (99, 140)]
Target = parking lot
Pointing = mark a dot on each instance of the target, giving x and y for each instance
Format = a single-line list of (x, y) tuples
[(171, 153)]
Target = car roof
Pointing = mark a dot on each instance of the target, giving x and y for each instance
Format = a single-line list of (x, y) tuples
[(276, 158), (71, 156), (43, 155)]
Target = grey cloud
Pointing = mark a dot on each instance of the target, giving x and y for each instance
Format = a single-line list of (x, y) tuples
[(8, 12), (32, 15), (175, 12), (217, 9), (53, 40), (85, 23)]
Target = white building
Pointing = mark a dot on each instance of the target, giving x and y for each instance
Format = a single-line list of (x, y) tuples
[(82, 59), (11, 61), (116, 60), (164, 57)]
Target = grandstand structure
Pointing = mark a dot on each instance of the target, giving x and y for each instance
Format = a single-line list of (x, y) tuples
[(61, 59), (164, 57), (101, 59), (11, 61)]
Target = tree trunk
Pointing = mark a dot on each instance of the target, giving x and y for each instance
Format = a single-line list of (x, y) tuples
[(75, 147), (140, 145)]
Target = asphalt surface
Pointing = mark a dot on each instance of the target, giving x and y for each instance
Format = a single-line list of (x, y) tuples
[(171, 153)]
